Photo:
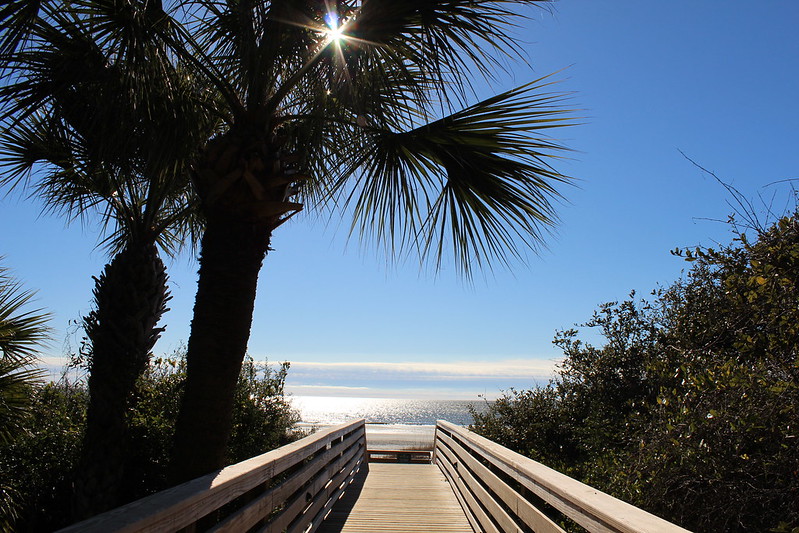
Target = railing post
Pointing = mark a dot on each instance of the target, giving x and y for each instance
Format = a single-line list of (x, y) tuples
[(435, 442)]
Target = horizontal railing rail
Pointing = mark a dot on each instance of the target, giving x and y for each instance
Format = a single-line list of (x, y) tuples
[(288, 489), (399, 456), (501, 491)]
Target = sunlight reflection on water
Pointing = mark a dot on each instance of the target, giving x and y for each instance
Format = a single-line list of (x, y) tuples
[(325, 410)]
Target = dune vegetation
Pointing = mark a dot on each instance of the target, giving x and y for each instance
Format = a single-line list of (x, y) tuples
[(690, 408)]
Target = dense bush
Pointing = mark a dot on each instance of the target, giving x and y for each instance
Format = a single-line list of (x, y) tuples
[(38, 464), (691, 408)]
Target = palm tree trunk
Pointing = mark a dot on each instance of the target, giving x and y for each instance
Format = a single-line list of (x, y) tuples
[(130, 298), (231, 256)]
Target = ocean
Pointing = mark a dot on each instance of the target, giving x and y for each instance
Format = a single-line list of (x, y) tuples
[(329, 410)]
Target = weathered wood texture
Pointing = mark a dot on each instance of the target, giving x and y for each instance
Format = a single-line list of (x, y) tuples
[(501, 490), (398, 498), (288, 489)]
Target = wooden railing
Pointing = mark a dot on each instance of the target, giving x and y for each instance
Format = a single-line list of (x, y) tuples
[(289, 489), (294, 487), (399, 456), (502, 491)]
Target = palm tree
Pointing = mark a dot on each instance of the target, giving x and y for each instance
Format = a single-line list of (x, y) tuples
[(342, 104), (349, 104), (108, 135), (22, 333)]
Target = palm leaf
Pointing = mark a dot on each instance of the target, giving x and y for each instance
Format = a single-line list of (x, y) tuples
[(22, 331), (115, 123), (479, 180), (445, 38), (17, 17)]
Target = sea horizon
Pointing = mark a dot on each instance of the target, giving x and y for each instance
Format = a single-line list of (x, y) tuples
[(328, 410)]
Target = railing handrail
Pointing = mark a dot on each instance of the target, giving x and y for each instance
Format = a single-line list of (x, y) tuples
[(458, 449), (331, 454)]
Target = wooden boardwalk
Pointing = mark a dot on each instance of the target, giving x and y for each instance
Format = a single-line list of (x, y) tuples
[(325, 482), (398, 498)]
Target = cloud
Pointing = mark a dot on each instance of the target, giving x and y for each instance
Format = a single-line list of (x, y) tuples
[(400, 379), (318, 389), (459, 379), (55, 367), (509, 368)]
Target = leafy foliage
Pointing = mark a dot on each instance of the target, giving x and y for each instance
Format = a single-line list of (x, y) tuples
[(693, 398), (261, 415), (117, 96), (22, 333), (95, 122), (37, 465)]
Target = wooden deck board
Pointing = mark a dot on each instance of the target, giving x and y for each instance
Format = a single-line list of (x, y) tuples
[(398, 498)]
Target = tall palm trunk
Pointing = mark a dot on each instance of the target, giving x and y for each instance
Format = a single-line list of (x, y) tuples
[(232, 254), (130, 297), (244, 198)]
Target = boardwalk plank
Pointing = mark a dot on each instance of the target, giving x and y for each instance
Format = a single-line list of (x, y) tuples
[(398, 498)]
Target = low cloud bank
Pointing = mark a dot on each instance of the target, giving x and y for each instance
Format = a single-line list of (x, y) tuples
[(463, 380), (460, 379)]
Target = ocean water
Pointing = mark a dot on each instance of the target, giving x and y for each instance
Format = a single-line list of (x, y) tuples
[(327, 410)]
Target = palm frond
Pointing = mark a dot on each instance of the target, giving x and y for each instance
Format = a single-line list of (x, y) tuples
[(17, 18), (478, 181), (106, 123), (22, 332), (445, 38)]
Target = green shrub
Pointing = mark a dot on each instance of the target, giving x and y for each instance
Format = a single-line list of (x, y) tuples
[(691, 408), (38, 465)]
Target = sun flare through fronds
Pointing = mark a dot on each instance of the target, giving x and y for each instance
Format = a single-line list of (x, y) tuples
[(334, 30)]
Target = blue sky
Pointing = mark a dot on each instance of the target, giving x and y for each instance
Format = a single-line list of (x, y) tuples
[(717, 80)]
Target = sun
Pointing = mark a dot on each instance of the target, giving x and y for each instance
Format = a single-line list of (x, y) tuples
[(335, 34), (334, 30)]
